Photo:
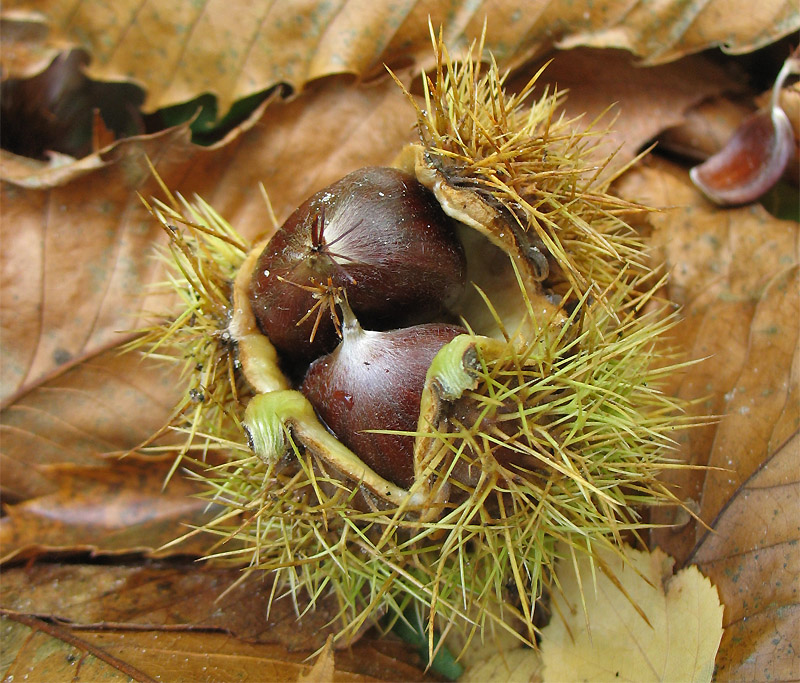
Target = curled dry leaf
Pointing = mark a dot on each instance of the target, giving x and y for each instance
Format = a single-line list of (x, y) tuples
[(76, 258), (27, 46), (234, 49), (665, 32), (60, 113), (596, 633)]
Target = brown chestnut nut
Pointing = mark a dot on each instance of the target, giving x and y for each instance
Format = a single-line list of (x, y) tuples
[(378, 234), (374, 380)]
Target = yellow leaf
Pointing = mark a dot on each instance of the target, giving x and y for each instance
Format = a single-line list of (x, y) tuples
[(679, 644), (520, 665), (501, 657)]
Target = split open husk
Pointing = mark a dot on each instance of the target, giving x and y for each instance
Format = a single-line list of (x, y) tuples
[(544, 424)]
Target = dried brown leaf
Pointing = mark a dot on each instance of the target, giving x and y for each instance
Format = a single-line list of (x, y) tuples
[(40, 651), (169, 597), (37, 651), (215, 657), (731, 271), (735, 272), (752, 558), (663, 32), (77, 255), (177, 51), (105, 404), (116, 509)]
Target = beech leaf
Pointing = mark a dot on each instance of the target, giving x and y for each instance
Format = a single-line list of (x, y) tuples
[(612, 642)]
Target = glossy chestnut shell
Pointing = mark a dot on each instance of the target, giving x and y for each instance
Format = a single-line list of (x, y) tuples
[(377, 234), (374, 381)]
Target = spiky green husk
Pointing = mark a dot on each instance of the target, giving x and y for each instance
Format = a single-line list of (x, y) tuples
[(576, 403), (539, 168), (581, 401), (588, 430), (202, 258)]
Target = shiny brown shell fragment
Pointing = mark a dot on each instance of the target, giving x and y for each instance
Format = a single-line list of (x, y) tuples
[(754, 159), (751, 162)]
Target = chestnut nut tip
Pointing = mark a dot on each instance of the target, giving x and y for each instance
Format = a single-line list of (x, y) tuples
[(378, 234)]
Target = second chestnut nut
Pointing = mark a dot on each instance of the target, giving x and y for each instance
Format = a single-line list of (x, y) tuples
[(378, 234), (374, 381)]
